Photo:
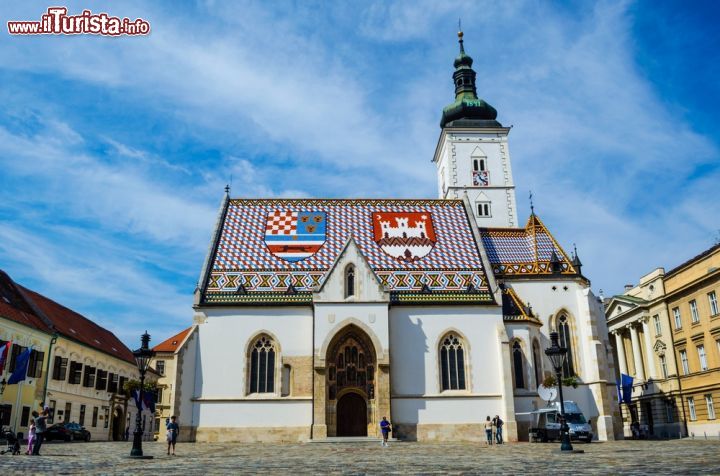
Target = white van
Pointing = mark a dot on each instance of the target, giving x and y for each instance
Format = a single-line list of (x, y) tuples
[(546, 423)]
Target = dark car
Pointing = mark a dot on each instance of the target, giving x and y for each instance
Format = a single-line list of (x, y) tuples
[(67, 432)]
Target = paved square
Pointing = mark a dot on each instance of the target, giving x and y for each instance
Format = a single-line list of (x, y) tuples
[(627, 457)]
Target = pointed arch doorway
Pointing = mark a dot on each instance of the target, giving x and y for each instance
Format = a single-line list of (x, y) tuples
[(351, 415), (351, 369)]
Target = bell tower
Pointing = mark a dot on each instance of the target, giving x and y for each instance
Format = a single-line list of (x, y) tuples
[(472, 155)]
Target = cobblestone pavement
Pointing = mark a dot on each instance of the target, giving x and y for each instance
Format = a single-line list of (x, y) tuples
[(627, 457)]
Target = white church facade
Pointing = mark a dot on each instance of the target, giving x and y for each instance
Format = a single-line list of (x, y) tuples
[(314, 318)]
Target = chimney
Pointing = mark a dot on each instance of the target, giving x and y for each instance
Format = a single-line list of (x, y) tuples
[(628, 287)]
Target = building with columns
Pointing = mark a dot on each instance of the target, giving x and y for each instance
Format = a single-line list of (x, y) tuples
[(666, 334), (642, 339), (314, 318)]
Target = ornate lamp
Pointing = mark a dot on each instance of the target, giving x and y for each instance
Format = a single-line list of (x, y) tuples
[(557, 356), (142, 358)]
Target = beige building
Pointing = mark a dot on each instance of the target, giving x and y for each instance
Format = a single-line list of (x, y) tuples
[(81, 376), (641, 337), (666, 335), (165, 363), (692, 292), (20, 327)]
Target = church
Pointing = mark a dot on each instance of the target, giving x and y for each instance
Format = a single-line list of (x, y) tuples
[(316, 318)]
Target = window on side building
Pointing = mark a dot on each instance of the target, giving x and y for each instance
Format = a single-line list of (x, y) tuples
[(684, 361), (710, 406), (702, 357), (712, 300), (663, 366), (656, 321), (35, 365), (691, 408), (678, 319), (694, 312)]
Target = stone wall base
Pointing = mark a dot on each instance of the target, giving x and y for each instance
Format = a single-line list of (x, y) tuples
[(252, 434), (187, 434), (474, 432)]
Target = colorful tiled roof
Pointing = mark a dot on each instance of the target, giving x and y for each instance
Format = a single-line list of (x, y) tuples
[(268, 246), (515, 310), (525, 251), (171, 344)]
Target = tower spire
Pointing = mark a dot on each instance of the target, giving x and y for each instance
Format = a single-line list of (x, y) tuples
[(468, 109)]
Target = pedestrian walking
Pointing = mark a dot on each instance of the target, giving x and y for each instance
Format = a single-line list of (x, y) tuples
[(489, 430), (172, 433), (385, 430), (31, 435), (127, 432), (40, 427), (497, 421)]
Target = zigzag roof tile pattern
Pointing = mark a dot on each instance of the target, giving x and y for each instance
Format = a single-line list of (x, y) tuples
[(246, 263), (524, 251)]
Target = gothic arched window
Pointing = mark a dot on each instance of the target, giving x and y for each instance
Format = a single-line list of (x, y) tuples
[(565, 337), (350, 281), (537, 363), (262, 366), (452, 363), (518, 365)]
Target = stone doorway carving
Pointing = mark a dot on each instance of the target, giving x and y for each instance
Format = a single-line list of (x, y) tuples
[(351, 370)]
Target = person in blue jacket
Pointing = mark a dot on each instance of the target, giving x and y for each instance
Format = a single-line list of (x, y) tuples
[(385, 430), (172, 433)]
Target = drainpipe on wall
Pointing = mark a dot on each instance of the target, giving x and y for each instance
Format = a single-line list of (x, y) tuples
[(47, 370)]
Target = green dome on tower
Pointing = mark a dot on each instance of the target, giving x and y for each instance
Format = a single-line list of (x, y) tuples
[(468, 109)]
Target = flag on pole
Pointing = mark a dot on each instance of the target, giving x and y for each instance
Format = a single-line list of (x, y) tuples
[(624, 388), (4, 354), (149, 401), (136, 397), (21, 367)]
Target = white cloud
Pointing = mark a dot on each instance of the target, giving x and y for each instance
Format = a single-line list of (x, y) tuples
[(301, 103)]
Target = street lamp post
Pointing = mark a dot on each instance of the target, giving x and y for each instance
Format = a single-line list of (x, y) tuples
[(557, 356), (142, 357)]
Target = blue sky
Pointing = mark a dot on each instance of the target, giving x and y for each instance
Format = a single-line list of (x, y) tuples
[(115, 151)]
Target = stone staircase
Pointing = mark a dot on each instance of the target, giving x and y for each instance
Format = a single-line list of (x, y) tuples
[(352, 440)]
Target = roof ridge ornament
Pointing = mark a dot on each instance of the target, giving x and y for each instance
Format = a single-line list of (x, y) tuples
[(460, 36), (532, 205)]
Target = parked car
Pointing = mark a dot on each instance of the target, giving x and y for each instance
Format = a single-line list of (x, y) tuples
[(67, 432)]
